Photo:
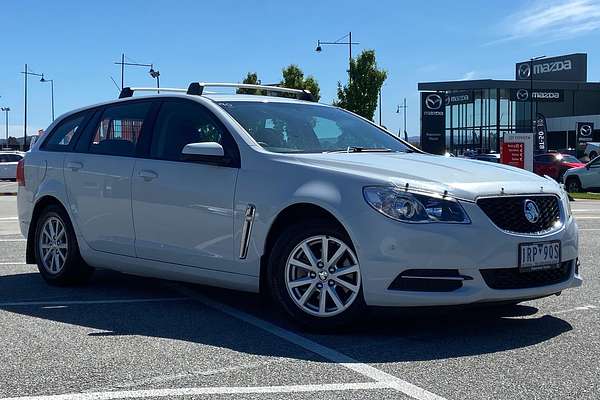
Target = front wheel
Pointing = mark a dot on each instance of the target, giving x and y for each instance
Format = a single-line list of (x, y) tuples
[(573, 185), (315, 275)]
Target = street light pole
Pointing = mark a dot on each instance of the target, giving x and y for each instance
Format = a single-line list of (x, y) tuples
[(27, 73), (153, 73), (380, 106), (52, 91), (404, 119), (6, 110), (350, 43)]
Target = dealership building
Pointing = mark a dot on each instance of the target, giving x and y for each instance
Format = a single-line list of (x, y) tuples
[(550, 96)]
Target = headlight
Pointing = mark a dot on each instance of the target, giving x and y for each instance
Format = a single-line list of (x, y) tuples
[(414, 207)]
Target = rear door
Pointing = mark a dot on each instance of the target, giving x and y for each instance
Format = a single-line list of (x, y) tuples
[(183, 210), (98, 176)]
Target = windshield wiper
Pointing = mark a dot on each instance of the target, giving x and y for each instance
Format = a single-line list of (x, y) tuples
[(358, 149)]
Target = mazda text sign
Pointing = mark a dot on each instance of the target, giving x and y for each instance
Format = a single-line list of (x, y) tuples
[(571, 68)]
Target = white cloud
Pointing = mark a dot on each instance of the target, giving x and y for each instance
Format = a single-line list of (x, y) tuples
[(550, 21), (469, 76)]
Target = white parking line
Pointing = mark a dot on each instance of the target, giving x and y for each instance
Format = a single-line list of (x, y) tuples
[(366, 370), (9, 219), (331, 387), (589, 229), (580, 218), (83, 302), (581, 308), (13, 240)]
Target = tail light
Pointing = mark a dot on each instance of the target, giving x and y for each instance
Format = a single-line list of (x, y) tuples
[(21, 172)]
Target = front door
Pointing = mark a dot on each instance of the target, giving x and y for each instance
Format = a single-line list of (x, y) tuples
[(98, 177), (183, 211)]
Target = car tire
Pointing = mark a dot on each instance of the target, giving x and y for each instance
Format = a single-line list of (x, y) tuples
[(298, 284), (573, 185), (57, 251)]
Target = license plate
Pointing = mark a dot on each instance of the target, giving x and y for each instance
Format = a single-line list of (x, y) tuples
[(538, 256)]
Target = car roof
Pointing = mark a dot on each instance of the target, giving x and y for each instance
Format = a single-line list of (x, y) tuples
[(214, 97)]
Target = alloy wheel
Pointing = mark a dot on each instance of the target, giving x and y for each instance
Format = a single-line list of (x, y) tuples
[(53, 245), (322, 276)]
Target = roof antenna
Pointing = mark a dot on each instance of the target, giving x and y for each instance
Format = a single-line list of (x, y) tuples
[(118, 88)]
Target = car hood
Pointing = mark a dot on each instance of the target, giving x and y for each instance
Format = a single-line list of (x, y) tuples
[(462, 178)]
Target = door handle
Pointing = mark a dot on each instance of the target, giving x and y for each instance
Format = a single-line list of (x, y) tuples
[(147, 174), (74, 165)]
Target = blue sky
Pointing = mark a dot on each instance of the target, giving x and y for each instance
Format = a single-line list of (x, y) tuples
[(76, 43)]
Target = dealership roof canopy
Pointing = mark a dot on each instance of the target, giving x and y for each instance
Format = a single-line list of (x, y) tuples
[(501, 84)]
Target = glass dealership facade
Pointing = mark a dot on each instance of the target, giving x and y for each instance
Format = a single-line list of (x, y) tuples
[(480, 125)]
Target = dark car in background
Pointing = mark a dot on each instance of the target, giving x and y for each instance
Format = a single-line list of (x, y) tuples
[(555, 164)]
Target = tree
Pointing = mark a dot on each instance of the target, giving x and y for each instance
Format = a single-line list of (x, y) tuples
[(293, 78), (362, 91), (251, 78)]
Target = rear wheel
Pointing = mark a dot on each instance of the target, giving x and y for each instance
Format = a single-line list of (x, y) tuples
[(315, 275), (573, 184), (57, 252)]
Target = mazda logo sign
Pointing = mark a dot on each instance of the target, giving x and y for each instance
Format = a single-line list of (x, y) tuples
[(524, 71), (531, 211), (434, 101), (585, 130), (522, 94)]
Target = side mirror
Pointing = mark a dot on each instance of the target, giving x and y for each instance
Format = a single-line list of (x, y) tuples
[(211, 152)]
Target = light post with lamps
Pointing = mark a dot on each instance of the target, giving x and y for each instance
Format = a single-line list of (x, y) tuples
[(404, 119), (52, 89), (153, 73), (6, 110), (350, 43), (27, 73)]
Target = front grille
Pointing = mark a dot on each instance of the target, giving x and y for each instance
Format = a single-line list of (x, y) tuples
[(512, 278), (508, 212)]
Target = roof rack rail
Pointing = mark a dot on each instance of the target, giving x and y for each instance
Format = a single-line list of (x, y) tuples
[(197, 88), (128, 91)]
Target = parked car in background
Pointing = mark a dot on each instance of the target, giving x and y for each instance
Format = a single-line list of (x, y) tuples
[(8, 164), (555, 164), (491, 157), (592, 150), (584, 178), (311, 204)]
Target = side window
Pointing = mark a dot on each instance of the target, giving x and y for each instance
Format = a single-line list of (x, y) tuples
[(181, 123), (62, 136), (119, 129)]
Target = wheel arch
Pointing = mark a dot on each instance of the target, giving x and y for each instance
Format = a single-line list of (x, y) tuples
[(292, 214), (40, 205)]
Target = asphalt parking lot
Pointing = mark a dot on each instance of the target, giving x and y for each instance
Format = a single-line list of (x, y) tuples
[(128, 337)]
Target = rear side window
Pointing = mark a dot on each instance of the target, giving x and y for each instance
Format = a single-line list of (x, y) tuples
[(63, 136), (119, 129), (181, 123), (10, 158)]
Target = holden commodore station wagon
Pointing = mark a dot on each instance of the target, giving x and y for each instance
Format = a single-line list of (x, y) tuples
[(322, 209)]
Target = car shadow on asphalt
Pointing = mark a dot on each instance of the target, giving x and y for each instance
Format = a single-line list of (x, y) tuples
[(380, 336)]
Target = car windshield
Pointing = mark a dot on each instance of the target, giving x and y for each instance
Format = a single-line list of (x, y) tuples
[(567, 158), (307, 128)]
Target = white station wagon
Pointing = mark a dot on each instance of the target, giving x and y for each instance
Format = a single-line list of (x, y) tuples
[(319, 207)]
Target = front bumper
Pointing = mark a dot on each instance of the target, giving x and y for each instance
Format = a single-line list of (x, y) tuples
[(388, 248)]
